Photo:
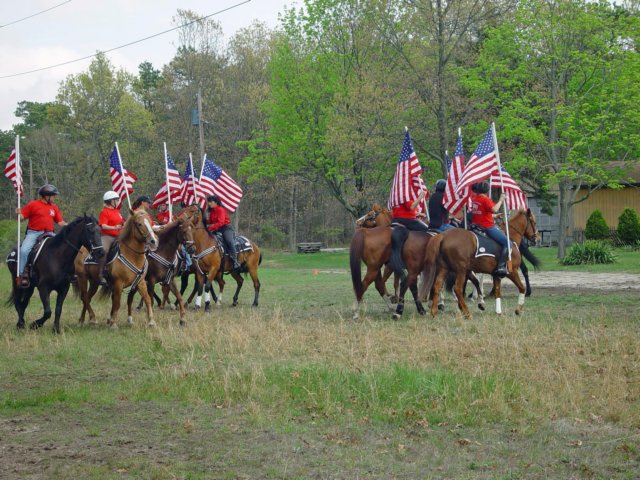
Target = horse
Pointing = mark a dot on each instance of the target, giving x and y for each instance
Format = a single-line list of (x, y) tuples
[(164, 262), (209, 261), (455, 251), (52, 268), (126, 267)]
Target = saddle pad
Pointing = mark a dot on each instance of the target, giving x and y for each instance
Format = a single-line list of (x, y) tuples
[(485, 247), (242, 244)]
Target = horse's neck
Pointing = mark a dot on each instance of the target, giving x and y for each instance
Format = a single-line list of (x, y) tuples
[(385, 219), (202, 238), (169, 242), (133, 248), (516, 229)]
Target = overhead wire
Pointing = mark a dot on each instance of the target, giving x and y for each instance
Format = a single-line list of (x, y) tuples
[(126, 44), (33, 15)]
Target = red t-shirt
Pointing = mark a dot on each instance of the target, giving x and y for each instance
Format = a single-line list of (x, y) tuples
[(41, 215), (482, 211), (110, 217), (163, 217), (405, 211), (218, 218)]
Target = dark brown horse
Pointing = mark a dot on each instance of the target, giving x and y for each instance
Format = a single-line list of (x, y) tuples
[(209, 262), (455, 251)]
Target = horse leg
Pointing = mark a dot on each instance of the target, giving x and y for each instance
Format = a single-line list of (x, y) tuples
[(253, 271), (115, 304), (199, 286), (208, 290), (239, 281), (477, 283), (93, 288), (515, 278), (435, 291), (130, 296), (184, 283), (381, 287), (441, 300), (45, 293), (62, 294), (400, 306), (497, 284), (458, 289), (371, 275), (142, 288), (174, 289), (414, 292), (21, 302), (525, 274)]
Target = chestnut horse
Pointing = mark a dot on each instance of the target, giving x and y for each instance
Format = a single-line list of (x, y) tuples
[(126, 267), (209, 262), (455, 251)]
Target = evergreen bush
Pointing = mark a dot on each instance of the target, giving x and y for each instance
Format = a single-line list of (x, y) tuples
[(589, 252), (629, 227), (597, 228)]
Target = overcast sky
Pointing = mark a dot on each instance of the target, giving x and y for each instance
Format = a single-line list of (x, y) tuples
[(72, 29)]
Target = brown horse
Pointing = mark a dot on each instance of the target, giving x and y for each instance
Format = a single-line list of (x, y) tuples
[(455, 251), (164, 262), (209, 261), (126, 267)]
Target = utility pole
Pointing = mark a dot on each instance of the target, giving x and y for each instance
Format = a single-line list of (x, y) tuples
[(200, 126)]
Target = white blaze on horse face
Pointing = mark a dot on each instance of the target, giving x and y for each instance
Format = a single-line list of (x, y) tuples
[(361, 219), (154, 238)]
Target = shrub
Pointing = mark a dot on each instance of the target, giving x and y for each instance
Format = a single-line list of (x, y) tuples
[(629, 227), (597, 228), (589, 252)]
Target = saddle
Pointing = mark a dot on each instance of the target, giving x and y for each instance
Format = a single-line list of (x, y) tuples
[(486, 246), (35, 251), (241, 243)]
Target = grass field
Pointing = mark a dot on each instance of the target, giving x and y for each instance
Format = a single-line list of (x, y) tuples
[(295, 389)]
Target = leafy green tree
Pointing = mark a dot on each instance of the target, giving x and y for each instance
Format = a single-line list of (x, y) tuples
[(560, 78), (629, 226), (596, 228)]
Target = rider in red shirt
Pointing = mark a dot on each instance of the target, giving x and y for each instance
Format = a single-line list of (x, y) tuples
[(110, 223), (219, 222), (407, 215), (163, 214), (482, 211), (42, 214)]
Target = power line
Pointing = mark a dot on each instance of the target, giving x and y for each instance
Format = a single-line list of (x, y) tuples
[(126, 44), (34, 15)]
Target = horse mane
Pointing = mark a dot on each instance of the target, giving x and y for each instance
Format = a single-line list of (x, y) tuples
[(64, 232)]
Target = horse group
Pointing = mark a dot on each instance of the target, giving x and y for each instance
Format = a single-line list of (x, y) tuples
[(436, 257), (138, 260)]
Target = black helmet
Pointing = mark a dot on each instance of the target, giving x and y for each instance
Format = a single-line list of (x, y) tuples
[(441, 185), (48, 189), (213, 198), (481, 187), (143, 198)]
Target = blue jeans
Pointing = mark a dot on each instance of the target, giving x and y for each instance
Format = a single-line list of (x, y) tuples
[(187, 258), (445, 227), (26, 246), (498, 235)]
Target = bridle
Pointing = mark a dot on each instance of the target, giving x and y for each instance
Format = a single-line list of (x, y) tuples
[(526, 227), (89, 240)]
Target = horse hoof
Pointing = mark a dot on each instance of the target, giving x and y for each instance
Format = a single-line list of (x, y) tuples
[(34, 326), (441, 307), (152, 323), (173, 307), (20, 325), (113, 326), (481, 306), (183, 323), (130, 320), (207, 308), (396, 316)]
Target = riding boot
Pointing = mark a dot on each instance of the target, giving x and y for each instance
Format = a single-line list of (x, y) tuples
[(25, 277), (234, 260), (102, 280), (501, 269)]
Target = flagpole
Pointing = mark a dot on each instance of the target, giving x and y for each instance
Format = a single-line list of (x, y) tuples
[(124, 176), (464, 207), (193, 180), (19, 185), (166, 179), (504, 204)]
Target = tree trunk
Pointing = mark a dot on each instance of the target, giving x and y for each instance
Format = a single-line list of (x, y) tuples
[(293, 209), (565, 203)]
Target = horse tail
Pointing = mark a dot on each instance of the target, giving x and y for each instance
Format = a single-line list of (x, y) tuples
[(355, 257), (529, 255), (260, 259), (429, 268), (398, 237), (105, 291), (12, 266)]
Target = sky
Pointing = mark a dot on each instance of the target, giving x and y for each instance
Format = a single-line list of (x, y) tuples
[(72, 29)]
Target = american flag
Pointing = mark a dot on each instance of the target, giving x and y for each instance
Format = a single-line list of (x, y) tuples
[(190, 188), (407, 182), (450, 200), (480, 166), (514, 195), (14, 173), (173, 177), (120, 175), (215, 181)]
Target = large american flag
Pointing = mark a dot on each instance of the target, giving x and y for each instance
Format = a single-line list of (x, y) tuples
[(480, 166), (450, 200), (120, 175), (514, 195), (215, 181), (407, 182), (174, 179), (14, 173), (190, 188)]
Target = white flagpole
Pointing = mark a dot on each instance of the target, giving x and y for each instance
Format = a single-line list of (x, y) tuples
[(124, 176), (193, 180), (166, 179), (464, 207), (504, 203), (19, 185)]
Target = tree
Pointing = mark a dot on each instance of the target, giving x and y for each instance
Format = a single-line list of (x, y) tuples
[(560, 78)]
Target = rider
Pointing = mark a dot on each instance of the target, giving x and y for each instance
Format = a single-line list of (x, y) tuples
[(42, 214), (405, 214), (219, 222), (163, 214), (110, 223), (143, 203), (483, 210), (438, 213)]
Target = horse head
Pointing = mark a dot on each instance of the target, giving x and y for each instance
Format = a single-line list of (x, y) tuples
[(185, 233), (142, 230), (524, 224), (378, 216), (90, 237)]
